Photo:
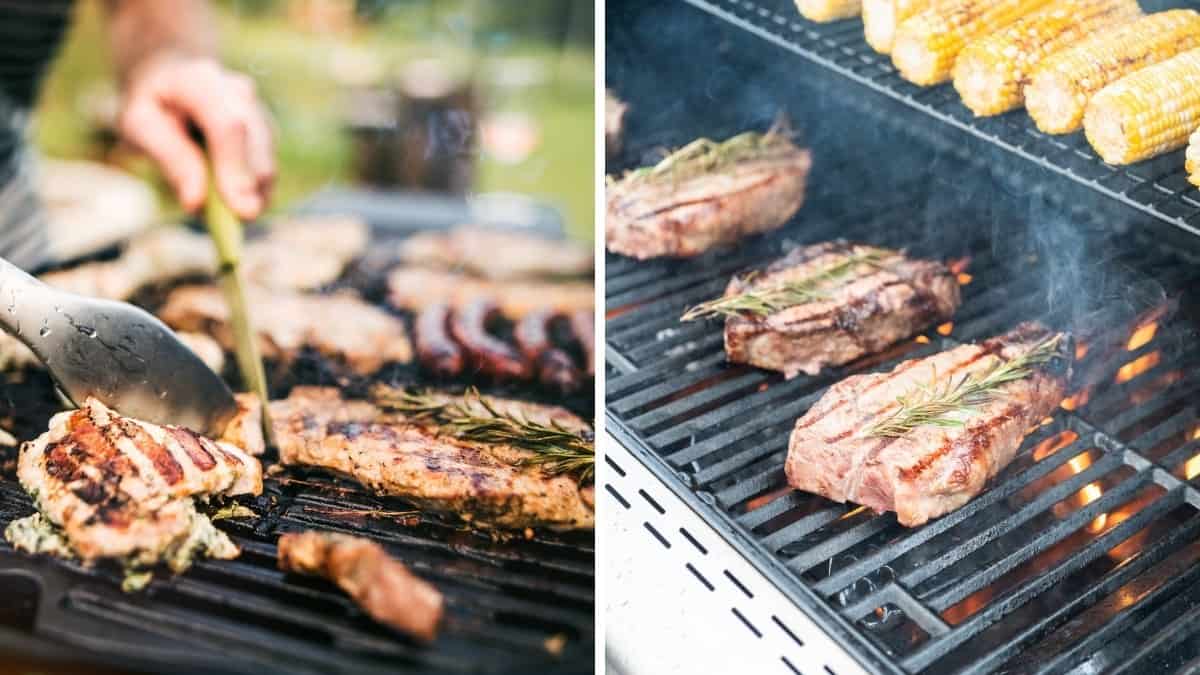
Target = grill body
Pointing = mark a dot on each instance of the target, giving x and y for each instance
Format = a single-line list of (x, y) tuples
[(1079, 557), (513, 604)]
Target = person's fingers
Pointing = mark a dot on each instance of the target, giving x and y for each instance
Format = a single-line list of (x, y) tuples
[(162, 135), (213, 100), (261, 153)]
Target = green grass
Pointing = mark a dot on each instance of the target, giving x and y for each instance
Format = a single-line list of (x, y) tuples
[(292, 69)]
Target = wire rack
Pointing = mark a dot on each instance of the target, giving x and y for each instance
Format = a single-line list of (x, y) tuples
[(1157, 186)]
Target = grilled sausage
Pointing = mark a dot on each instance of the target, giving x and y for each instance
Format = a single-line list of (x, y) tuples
[(555, 369), (583, 326), (436, 349), (488, 354)]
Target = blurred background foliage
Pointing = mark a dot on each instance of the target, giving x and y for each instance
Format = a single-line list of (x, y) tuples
[(532, 60)]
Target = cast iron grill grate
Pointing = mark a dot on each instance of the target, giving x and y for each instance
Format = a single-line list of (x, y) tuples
[(514, 604), (1080, 555), (1158, 186)]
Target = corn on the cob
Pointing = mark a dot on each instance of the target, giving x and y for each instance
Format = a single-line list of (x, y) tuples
[(823, 11), (1146, 113), (928, 42), (990, 72), (1192, 159), (881, 17), (1062, 84)]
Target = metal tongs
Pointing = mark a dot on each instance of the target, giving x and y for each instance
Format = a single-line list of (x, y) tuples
[(116, 352)]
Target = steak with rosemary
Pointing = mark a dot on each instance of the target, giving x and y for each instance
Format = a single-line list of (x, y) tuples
[(399, 455), (706, 194), (108, 486), (925, 438), (829, 304)]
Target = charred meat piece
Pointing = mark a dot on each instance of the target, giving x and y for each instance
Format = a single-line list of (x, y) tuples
[(880, 440), (583, 326), (436, 349), (555, 368), (340, 326), (296, 254), (706, 194), (393, 455), (107, 486), (488, 354), (614, 123), (831, 303), (415, 288), (498, 254), (380, 584)]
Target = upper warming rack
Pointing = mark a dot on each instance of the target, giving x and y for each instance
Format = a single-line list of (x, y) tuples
[(1158, 186)]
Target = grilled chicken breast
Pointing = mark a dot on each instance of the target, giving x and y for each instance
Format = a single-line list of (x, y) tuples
[(340, 326), (497, 254), (415, 288), (651, 215), (862, 299), (381, 585), (391, 455), (115, 487), (931, 469)]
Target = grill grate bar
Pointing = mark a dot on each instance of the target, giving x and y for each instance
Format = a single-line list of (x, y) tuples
[(1122, 575), (926, 655)]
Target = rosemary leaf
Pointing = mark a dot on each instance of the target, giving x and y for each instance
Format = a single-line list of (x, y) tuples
[(764, 301), (705, 155), (944, 405), (557, 449)]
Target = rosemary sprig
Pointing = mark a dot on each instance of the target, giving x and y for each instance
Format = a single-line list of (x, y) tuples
[(705, 155), (764, 301), (557, 449), (942, 406)]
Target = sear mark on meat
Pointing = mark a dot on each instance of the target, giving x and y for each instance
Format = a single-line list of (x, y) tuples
[(930, 470), (874, 306), (392, 455), (380, 584), (114, 487), (686, 217)]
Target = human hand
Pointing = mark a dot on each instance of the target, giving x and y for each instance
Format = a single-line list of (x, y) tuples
[(169, 91)]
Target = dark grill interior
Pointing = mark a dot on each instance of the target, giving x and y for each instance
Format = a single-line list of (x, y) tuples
[(513, 604), (1081, 556)]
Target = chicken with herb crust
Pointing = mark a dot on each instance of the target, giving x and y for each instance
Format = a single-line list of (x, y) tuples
[(111, 487)]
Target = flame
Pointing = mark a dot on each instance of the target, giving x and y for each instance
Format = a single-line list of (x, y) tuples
[(1047, 421), (1142, 336), (1138, 366), (960, 265), (764, 499), (921, 339), (964, 278), (1088, 493), (764, 386), (945, 328), (1191, 468), (1081, 350), (1053, 444), (1077, 400)]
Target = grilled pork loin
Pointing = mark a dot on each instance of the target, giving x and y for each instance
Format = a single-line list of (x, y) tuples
[(340, 326), (497, 254), (923, 470), (381, 585), (749, 184), (400, 457), (108, 486), (415, 288), (852, 300)]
